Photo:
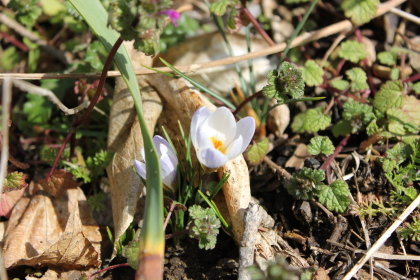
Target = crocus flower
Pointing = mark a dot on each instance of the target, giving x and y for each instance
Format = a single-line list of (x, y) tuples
[(172, 14), (168, 163), (217, 138)]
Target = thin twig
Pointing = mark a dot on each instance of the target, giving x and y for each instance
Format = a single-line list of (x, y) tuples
[(108, 268), (405, 15), (332, 48), (28, 87), (375, 247), (283, 172), (300, 40), (6, 101)]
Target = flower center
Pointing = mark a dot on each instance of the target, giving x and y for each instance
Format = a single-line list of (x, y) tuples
[(218, 145)]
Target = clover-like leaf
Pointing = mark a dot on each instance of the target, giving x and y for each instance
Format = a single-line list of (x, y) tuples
[(321, 145), (219, 7), (342, 128), (204, 226), (358, 78), (131, 252), (311, 120), (287, 82), (388, 96), (352, 50), (358, 114), (339, 84), (304, 182), (387, 58), (416, 87), (360, 11), (312, 73), (257, 151), (14, 181), (335, 196)]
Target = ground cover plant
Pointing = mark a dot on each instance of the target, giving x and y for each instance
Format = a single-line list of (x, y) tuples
[(126, 155)]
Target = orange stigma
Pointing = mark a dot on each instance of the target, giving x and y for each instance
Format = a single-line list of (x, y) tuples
[(218, 145)]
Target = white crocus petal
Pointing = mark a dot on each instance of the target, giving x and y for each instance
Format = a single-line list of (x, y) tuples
[(168, 171), (235, 148), (141, 168), (163, 147), (168, 163), (217, 138), (245, 128), (197, 120), (211, 158), (221, 126)]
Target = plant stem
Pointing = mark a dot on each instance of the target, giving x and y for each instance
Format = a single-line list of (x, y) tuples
[(108, 268), (297, 30), (248, 99), (337, 150), (176, 234), (413, 78), (101, 82), (257, 26), (171, 210)]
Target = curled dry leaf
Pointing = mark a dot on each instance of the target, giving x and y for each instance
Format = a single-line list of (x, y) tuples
[(58, 183), (278, 119), (48, 231), (8, 201), (184, 101), (126, 141)]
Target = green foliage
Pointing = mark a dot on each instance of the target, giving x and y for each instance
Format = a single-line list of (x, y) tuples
[(387, 58), (220, 7), (96, 55), (286, 82), (276, 270), (395, 73), (339, 84), (27, 11), (335, 196), (357, 114), (139, 21), (405, 159), (126, 238), (98, 163), (352, 51), (204, 226), (257, 151), (10, 58), (14, 181), (172, 36), (304, 181), (311, 120), (312, 73), (131, 252), (96, 202), (389, 96), (416, 87), (33, 54), (321, 145), (410, 230), (38, 109), (360, 11), (374, 208), (358, 78)]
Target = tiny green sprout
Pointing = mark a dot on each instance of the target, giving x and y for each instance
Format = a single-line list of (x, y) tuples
[(321, 145), (204, 226), (276, 270), (360, 11), (352, 51), (411, 230), (304, 182), (27, 11), (285, 83)]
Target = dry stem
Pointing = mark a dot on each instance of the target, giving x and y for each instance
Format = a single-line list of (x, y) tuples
[(300, 40)]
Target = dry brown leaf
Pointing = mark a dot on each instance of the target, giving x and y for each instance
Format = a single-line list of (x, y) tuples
[(58, 183), (210, 47), (125, 139), (184, 101), (42, 232)]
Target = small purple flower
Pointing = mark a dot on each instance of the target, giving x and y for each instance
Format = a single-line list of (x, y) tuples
[(172, 14), (168, 163)]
